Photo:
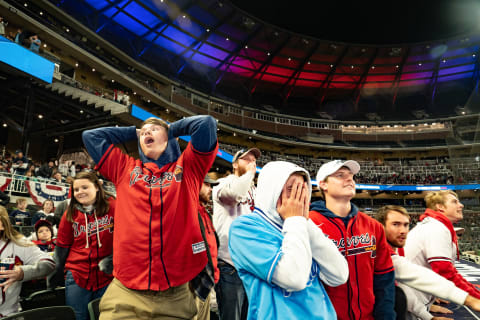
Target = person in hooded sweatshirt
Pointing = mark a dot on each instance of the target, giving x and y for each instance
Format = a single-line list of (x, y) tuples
[(280, 254), (85, 237), (370, 290), (157, 206)]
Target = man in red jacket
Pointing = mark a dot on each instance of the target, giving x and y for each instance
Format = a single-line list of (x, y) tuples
[(370, 290), (208, 232), (433, 242)]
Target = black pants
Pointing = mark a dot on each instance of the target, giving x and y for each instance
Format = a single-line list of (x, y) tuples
[(400, 304)]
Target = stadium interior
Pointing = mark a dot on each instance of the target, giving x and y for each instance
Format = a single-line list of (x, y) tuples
[(407, 111)]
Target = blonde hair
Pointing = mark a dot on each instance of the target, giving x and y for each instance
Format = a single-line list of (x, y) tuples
[(156, 121), (9, 233), (20, 200), (432, 199)]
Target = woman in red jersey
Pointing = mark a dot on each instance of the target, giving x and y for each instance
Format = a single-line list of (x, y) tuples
[(85, 236)]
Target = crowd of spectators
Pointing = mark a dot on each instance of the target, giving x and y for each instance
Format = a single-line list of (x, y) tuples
[(440, 170), (53, 171), (20, 36)]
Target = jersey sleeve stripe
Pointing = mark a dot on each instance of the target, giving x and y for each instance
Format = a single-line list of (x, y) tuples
[(104, 157), (432, 259), (272, 268)]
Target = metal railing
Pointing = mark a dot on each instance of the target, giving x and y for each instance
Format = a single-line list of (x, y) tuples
[(17, 184)]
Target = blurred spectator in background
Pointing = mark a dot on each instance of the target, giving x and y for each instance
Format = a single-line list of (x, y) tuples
[(47, 210), (73, 170), (3, 24), (63, 168), (19, 163), (21, 212), (19, 36), (44, 233), (35, 43), (4, 198), (58, 178), (46, 170)]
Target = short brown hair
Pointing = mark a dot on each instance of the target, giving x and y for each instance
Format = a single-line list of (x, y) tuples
[(438, 197), (20, 200), (382, 213), (157, 121)]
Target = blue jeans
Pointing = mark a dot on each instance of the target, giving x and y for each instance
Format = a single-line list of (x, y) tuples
[(231, 297), (78, 297)]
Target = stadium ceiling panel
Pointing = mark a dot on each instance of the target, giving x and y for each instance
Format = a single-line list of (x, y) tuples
[(218, 48)]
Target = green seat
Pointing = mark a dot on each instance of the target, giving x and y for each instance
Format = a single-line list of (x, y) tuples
[(94, 309)]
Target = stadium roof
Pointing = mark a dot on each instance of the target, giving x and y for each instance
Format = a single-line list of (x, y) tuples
[(222, 50)]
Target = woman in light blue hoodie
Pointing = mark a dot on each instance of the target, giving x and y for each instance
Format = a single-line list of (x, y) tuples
[(281, 256)]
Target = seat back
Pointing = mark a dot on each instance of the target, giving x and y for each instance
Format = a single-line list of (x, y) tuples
[(44, 298), (46, 313), (94, 309)]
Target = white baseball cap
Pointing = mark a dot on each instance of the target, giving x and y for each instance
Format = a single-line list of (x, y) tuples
[(331, 167)]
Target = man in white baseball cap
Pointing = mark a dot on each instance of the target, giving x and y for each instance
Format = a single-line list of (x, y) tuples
[(332, 166), (370, 291), (233, 197)]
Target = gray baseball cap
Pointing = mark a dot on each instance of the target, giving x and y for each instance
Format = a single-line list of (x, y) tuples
[(242, 153)]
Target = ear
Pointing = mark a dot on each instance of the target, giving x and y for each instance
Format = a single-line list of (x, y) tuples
[(323, 185), (235, 165), (439, 207)]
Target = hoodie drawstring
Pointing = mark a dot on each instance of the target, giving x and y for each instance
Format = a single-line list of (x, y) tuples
[(86, 230), (98, 232)]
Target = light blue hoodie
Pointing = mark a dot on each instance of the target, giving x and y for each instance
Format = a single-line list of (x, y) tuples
[(256, 247)]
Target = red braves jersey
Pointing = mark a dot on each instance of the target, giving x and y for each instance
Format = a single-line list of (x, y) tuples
[(364, 245), (82, 261), (157, 242)]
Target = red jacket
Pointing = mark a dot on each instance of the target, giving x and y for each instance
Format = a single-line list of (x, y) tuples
[(364, 244), (211, 239), (157, 242), (83, 260)]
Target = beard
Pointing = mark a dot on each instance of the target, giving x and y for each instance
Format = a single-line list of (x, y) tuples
[(204, 198), (241, 170), (396, 244)]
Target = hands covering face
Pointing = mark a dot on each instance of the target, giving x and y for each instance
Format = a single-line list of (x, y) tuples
[(294, 200)]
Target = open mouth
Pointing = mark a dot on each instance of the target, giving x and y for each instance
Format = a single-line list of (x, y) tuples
[(148, 141)]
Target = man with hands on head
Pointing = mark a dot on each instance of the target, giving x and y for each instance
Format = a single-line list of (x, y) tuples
[(157, 201), (283, 275), (233, 197)]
